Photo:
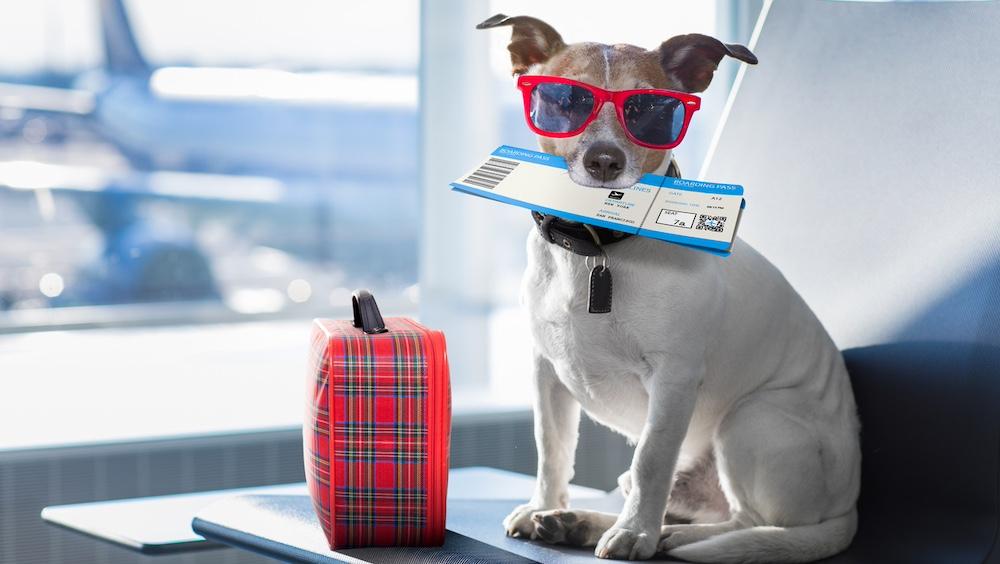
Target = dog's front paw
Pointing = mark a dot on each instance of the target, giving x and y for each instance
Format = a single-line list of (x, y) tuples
[(561, 526), (519, 522), (624, 544)]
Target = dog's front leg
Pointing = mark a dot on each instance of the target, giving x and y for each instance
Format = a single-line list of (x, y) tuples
[(557, 422), (672, 393)]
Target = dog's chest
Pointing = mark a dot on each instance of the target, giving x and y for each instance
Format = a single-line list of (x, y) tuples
[(593, 353)]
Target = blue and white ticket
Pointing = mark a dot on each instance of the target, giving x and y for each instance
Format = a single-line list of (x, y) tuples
[(702, 215)]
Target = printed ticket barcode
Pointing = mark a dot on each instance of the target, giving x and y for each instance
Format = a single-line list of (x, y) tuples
[(491, 173)]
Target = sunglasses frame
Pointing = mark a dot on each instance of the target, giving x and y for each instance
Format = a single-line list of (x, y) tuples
[(526, 84)]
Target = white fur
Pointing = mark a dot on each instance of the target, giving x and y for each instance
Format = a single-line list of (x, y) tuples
[(699, 354)]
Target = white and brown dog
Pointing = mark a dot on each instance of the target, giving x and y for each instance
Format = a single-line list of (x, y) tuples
[(736, 397)]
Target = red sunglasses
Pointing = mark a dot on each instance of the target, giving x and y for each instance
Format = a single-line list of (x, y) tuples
[(560, 107)]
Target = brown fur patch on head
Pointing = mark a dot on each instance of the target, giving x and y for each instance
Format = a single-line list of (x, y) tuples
[(612, 67), (579, 61)]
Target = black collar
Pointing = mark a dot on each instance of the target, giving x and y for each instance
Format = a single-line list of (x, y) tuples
[(580, 238)]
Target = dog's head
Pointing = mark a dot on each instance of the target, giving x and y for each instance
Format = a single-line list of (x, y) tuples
[(602, 155)]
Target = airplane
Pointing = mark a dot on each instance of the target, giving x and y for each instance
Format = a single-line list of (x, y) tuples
[(235, 120), (301, 158)]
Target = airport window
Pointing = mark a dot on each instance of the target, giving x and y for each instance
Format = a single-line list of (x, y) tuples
[(224, 165), (164, 176)]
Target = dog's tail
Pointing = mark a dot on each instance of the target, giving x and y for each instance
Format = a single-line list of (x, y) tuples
[(774, 544)]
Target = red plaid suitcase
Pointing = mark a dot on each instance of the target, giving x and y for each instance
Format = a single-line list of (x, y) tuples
[(377, 429)]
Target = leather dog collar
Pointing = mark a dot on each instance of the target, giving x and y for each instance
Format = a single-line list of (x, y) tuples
[(580, 238)]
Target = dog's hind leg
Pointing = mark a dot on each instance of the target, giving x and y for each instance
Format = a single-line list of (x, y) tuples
[(574, 527), (789, 475), (697, 496), (672, 536)]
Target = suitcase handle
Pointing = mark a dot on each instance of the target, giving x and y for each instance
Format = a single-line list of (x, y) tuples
[(366, 314)]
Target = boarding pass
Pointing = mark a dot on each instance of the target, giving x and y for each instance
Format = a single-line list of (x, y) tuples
[(702, 215)]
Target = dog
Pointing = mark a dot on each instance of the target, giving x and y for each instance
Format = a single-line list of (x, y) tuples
[(738, 401)]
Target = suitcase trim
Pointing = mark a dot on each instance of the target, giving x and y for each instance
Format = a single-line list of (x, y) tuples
[(438, 431), (330, 445), (321, 331)]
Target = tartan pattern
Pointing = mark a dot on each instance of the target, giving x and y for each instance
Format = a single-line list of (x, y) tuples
[(368, 412)]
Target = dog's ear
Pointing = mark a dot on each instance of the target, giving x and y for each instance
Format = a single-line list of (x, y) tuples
[(532, 41), (692, 59)]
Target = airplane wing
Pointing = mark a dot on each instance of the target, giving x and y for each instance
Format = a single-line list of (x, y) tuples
[(37, 175), (26, 97)]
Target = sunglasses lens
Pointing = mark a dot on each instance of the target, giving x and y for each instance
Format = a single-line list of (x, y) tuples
[(653, 118), (560, 108)]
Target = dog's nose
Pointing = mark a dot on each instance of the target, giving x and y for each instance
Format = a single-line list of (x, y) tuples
[(604, 162)]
